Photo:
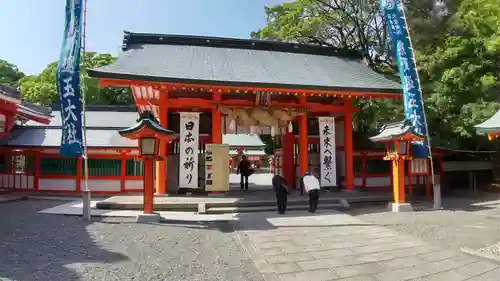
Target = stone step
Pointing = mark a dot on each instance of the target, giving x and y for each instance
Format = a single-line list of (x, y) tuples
[(262, 203), (300, 207)]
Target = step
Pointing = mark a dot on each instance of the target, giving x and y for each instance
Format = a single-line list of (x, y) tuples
[(262, 203), (303, 207)]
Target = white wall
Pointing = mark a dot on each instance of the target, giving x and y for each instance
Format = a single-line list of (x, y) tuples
[(102, 185), (57, 184)]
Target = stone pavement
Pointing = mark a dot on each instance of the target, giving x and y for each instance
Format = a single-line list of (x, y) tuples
[(336, 246)]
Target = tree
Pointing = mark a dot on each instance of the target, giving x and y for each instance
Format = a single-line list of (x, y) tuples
[(352, 25), (42, 88), (465, 73), (9, 74), (457, 46)]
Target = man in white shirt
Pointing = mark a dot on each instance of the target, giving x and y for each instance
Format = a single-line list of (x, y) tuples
[(312, 188)]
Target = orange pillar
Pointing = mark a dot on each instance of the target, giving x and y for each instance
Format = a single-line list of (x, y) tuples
[(161, 166), (428, 181), (303, 145), (36, 171), (148, 186), (216, 121), (398, 174), (287, 157), (348, 150), (410, 179)]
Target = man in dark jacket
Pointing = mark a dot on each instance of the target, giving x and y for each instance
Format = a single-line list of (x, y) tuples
[(281, 189), (244, 170)]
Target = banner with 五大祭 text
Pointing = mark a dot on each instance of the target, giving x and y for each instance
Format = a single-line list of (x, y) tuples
[(412, 94), (188, 146), (327, 151), (68, 81)]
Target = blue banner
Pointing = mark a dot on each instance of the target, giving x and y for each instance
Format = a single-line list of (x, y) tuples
[(68, 81), (412, 94)]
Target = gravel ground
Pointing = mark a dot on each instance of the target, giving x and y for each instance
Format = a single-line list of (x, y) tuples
[(451, 229), (50, 247)]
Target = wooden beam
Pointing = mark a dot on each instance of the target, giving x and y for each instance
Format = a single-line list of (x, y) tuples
[(106, 82)]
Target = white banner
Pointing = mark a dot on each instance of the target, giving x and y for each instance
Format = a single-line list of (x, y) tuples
[(188, 146), (327, 151)]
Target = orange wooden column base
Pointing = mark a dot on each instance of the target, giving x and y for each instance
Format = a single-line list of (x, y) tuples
[(303, 145), (398, 174), (148, 186), (348, 150), (287, 156), (161, 166), (216, 121)]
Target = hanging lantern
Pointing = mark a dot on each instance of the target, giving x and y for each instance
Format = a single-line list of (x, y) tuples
[(290, 127), (232, 125), (273, 131), (252, 130)]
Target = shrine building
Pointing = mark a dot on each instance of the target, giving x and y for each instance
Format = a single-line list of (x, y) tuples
[(227, 91), (256, 87)]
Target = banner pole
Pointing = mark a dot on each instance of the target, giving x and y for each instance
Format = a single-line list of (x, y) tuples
[(86, 195), (435, 187)]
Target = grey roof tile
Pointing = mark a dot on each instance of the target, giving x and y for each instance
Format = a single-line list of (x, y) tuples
[(490, 125), (393, 130), (98, 119), (242, 63), (242, 140), (10, 91), (51, 137)]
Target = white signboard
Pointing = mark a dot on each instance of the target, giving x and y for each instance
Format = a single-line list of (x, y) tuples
[(327, 151), (188, 146)]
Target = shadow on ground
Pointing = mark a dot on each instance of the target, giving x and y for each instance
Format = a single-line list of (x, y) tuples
[(472, 202), (45, 247)]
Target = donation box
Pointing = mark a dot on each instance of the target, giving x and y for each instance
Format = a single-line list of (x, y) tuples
[(217, 167)]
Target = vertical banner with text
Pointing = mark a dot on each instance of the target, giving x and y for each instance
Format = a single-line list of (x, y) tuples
[(327, 151), (68, 81), (412, 94), (188, 149)]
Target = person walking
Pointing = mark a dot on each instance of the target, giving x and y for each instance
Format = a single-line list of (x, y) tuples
[(312, 188), (244, 170), (281, 189)]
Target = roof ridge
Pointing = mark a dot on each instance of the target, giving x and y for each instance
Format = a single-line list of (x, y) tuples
[(104, 107), (132, 38)]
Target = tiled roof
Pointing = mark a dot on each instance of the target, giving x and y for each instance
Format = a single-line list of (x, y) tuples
[(51, 137), (489, 126), (237, 62), (99, 119), (394, 130), (102, 131), (10, 92), (242, 140)]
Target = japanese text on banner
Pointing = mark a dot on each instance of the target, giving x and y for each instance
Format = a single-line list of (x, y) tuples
[(327, 151), (188, 154), (68, 81), (412, 94)]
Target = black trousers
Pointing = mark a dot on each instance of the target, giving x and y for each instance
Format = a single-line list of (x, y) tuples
[(281, 199), (244, 181), (313, 200)]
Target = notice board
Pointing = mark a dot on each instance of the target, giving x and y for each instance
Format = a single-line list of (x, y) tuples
[(216, 167)]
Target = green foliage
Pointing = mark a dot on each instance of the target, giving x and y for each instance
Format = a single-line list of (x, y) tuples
[(9, 74), (457, 44), (42, 88), (463, 74)]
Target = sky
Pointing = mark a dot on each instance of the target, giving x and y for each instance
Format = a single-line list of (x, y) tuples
[(31, 30)]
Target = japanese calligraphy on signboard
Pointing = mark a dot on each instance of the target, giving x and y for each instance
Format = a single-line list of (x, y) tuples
[(188, 154), (68, 81), (412, 94), (327, 151)]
